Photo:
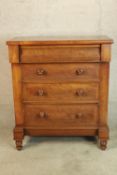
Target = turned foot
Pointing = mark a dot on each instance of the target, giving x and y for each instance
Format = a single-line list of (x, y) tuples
[(103, 144), (103, 136), (19, 145), (18, 137)]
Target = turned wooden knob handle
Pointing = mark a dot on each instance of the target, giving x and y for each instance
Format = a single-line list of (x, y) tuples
[(40, 92), (79, 115), (80, 71), (42, 115), (41, 72), (80, 92)]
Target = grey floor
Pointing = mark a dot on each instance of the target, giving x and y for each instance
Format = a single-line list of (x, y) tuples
[(56, 156)]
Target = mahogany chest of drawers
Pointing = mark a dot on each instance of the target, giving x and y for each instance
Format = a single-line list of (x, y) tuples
[(60, 86)]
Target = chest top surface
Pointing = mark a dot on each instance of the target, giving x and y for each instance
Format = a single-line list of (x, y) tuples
[(60, 40)]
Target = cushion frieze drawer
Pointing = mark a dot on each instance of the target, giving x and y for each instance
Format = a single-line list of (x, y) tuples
[(61, 93), (49, 73), (48, 54)]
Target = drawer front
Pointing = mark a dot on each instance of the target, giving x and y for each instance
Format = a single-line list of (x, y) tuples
[(47, 73), (47, 54), (59, 93), (66, 116)]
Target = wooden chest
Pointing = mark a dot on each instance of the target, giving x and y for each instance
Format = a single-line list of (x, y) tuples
[(60, 86)]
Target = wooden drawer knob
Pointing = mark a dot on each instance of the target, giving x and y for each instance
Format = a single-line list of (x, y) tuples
[(79, 115), (40, 92), (42, 115), (80, 92), (41, 72), (80, 71)]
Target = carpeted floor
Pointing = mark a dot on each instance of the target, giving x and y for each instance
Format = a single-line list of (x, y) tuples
[(56, 156)]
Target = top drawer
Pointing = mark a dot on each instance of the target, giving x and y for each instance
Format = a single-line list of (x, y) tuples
[(49, 54)]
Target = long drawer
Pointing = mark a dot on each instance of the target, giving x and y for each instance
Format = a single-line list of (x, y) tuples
[(52, 73), (67, 116), (49, 54), (61, 93)]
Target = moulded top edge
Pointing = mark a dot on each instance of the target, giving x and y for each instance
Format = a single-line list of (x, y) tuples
[(60, 40)]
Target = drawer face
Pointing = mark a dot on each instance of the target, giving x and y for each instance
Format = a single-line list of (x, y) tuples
[(48, 54), (59, 93), (48, 73), (66, 116)]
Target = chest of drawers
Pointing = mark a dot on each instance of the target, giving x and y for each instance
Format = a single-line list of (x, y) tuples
[(60, 87)]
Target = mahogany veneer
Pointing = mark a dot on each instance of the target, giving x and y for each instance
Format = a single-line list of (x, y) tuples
[(60, 86)]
